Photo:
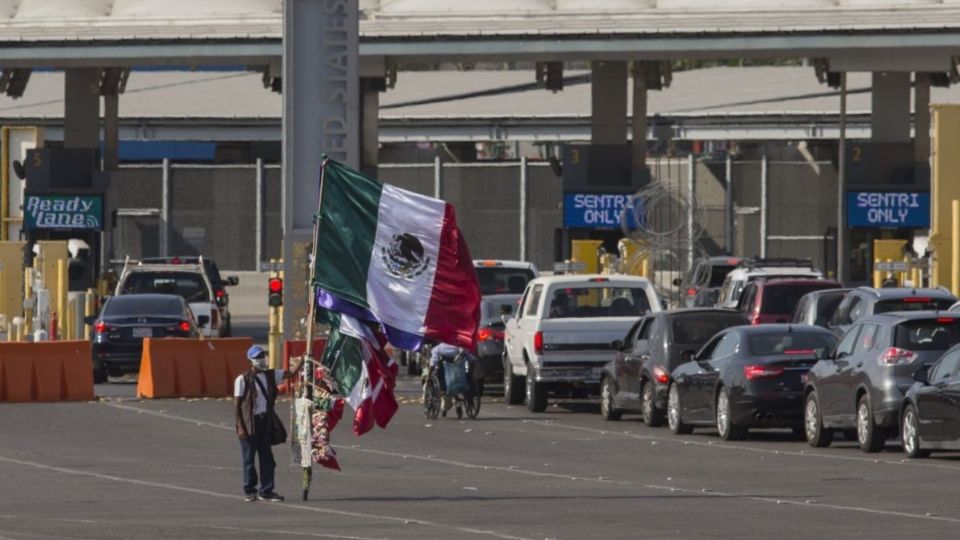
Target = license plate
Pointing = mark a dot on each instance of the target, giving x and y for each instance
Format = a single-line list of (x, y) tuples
[(143, 332)]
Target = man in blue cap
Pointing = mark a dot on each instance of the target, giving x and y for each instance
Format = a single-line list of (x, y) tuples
[(256, 392)]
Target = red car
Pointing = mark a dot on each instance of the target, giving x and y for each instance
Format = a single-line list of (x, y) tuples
[(773, 300)]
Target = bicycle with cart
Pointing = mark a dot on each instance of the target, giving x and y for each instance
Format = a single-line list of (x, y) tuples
[(462, 386)]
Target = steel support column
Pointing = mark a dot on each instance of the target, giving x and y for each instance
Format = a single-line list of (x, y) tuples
[(81, 111)]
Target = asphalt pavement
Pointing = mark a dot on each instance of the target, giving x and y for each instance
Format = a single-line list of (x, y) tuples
[(124, 468)]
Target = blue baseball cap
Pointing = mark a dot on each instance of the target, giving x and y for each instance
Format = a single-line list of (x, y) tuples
[(255, 352)]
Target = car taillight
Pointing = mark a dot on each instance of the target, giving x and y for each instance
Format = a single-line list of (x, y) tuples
[(221, 293), (660, 375), (184, 326), (761, 372), (755, 319), (487, 334), (101, 327), (896, 355), (538, 342), (691, 292)]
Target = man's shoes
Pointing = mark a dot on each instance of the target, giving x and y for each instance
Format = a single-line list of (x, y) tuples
[(250, 497), (270, 497)]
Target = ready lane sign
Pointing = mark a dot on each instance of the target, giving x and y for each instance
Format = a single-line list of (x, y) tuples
[(907, 209), (598, 210), (63, 212)]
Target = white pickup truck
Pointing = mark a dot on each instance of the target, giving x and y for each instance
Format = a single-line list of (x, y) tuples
[(561, 334)]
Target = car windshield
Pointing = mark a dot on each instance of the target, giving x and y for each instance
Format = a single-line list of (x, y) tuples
[(913, 304), (490, 310), (143, 306), (500, 280), (928, 334), (718, 273), (781, 299), (792, 342), (827, 305), (189, 285), (695, 329), (588, 302)]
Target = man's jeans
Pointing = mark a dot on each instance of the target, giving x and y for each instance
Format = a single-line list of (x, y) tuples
[(258, 444)]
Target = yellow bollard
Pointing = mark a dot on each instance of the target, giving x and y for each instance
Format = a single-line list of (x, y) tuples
[(28, 295), (61, 298), (877, 274), (955, 246), (89, 299), (915, 277)]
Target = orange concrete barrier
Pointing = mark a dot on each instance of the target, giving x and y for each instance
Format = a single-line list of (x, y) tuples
[(295, 348), (46, 371), (173, 367)]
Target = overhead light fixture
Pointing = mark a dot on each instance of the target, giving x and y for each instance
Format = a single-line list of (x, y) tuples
[(112, 81), (13, 81), (550, 75)]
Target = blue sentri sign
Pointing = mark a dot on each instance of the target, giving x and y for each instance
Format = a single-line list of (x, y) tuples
[(598, 210), (907, 209)]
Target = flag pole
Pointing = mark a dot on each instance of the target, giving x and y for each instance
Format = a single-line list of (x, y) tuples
[(308, 363)]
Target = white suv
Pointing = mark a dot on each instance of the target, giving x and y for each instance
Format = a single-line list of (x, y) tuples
[(563, 332), (186, 280), (753, 269)]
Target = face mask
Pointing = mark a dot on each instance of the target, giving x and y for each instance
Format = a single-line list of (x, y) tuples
[(260, 363)]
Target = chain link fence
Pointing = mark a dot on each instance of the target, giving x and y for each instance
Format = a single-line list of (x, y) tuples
[(507, 210)]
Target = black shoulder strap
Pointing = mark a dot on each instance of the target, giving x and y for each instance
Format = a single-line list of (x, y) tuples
[(270, 397)]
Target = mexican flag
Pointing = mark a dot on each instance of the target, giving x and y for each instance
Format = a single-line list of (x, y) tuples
[(364, 373), (394, 257)]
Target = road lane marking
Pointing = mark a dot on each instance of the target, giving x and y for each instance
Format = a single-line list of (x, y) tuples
[(654, 487), (294, 533), (208, 493), (725, 446)]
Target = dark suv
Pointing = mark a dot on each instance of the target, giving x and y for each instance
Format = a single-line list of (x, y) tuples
[(773, 300), (638, 377), (864, 301), (861, 386)]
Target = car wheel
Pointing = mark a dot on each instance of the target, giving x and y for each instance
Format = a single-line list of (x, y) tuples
[(652, 416), (677, 426), (725, 427), (607, 408), (870, 436), (817, 435), (910, 433), (536, 394), (512, 385)]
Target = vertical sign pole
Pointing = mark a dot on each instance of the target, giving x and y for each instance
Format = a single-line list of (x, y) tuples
[(842, 185)]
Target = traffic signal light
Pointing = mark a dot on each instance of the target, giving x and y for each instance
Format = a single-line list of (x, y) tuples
[(275, 287)]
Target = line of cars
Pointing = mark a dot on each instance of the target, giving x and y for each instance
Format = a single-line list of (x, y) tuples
[(154, 298), (785, 349)]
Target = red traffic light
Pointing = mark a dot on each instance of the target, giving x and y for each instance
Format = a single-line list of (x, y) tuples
[(275, 286)]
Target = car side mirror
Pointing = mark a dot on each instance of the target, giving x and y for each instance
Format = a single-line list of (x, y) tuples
[(617, 345), (90, 319), (233, 281), (203, 321), (688, 356), (922, 375)]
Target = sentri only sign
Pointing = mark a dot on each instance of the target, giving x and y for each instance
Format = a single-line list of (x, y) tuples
[(63, 212), (907, 209), (598, 210)]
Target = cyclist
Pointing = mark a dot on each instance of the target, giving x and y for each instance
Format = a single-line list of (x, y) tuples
[(439, 353)]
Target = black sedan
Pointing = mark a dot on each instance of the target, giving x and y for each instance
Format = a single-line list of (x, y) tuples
[(930, 419), (125, 320), (746, 376), (638, 377)]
